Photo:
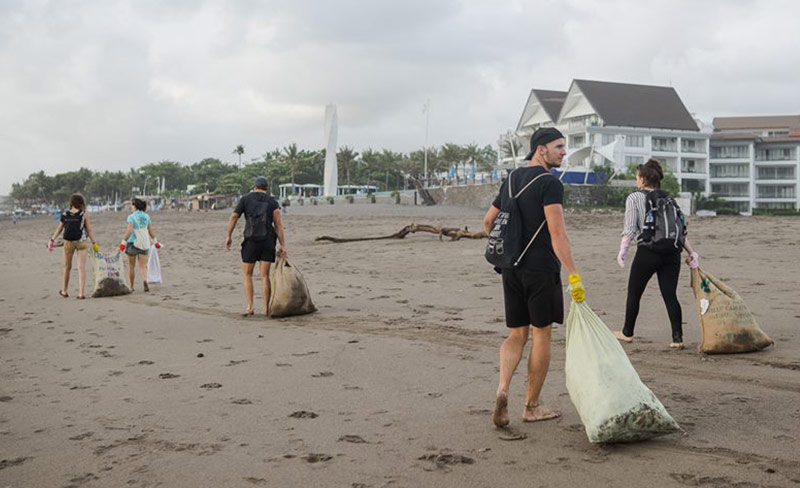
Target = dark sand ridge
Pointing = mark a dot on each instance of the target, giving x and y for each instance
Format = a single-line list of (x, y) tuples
[(391, 383)]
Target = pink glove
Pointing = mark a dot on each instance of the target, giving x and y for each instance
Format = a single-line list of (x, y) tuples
[(51, 245), (694, 260), (624, 245)]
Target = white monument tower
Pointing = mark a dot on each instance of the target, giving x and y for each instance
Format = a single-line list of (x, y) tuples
[(331, 177)]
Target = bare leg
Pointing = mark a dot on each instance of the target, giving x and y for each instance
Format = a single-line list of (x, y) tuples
[(143, 270), (131, 270), (67, 269), (265, 284), (248, 285), (510, 356), (538, 365), (81, 271)]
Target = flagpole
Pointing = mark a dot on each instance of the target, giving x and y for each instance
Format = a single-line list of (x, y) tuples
[(427, 120)]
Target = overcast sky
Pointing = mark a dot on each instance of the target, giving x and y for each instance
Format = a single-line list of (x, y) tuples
[(112, 84)]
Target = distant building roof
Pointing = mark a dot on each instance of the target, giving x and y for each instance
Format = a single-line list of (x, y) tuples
[(551, 100), (757, 122), (627, 105)]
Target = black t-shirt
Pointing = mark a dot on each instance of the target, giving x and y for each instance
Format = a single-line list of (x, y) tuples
[(251, 205), (547, 190)]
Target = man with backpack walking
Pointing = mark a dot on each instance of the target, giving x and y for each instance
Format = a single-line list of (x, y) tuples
[(263, 226), (656, 224), (529, 255)]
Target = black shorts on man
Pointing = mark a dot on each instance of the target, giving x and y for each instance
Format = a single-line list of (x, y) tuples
[(259, 234), (532, 298)]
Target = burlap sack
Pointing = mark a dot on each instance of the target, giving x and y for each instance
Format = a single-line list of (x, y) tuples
[(727, 324), (289, 293)]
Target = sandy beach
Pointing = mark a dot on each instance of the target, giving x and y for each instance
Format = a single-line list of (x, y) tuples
[(391, 382)]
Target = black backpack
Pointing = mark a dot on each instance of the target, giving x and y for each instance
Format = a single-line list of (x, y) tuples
[(256, 225), (73, 225), (664, 228), (506, 248)]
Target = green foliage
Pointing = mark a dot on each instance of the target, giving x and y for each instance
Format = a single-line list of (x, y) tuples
[(670, 183)]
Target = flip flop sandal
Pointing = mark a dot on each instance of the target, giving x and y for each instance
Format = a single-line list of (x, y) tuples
[(64, 295), (79, 297)]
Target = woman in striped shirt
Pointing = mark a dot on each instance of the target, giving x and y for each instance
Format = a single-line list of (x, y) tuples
[(647, 262)]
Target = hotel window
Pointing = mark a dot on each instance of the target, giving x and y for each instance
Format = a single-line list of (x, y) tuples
[(608, 139), (775, 154), (778, 191), (778, 133), (634, 141), (729, 152), (730, 171), (776, 173), (730, 189), (633, 160), (577, 141)]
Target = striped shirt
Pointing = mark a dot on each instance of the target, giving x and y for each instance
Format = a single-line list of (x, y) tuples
[(635, 210)]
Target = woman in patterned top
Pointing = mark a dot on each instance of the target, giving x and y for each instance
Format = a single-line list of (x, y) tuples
[(648, 262)]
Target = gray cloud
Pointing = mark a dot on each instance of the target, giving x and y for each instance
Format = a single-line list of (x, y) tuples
[(115, 84)]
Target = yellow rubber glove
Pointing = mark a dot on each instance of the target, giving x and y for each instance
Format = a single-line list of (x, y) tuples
[(576, 288), (96, 247)]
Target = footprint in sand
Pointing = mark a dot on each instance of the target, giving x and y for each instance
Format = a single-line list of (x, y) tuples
[(303, 414), (317, 458), (241, 401), (211, 386), (322, 374), (168, 376), (81, 437), (353, 439)]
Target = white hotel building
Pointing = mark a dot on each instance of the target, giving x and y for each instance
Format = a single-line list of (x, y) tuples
[(755, 161), (645, 121)]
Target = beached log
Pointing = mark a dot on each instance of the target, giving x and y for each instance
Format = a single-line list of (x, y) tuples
[(454, 233)]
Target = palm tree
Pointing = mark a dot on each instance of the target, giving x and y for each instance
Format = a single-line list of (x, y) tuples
[(452, 154), (346, 158), (291, 156), (239, 150)]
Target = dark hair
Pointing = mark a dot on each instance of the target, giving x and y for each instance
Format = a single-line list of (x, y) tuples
[(76, 201), (139, 204), (651, 173)]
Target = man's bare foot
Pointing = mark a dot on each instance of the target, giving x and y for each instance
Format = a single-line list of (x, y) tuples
[(536, 413), (500, 416), (622, 337)]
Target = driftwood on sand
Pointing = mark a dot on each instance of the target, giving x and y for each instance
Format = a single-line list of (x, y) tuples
[(454, 233)]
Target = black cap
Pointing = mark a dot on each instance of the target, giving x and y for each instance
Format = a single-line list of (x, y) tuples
[(542, 136), (261, 183)]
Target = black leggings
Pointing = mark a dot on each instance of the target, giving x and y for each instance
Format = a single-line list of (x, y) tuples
[(668, 268)]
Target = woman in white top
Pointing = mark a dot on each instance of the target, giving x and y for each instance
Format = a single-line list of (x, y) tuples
[(647, 262)]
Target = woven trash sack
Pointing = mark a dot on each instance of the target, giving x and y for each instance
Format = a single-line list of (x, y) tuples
[(108, 275), (289, 293), (613, 403), (727, 324)]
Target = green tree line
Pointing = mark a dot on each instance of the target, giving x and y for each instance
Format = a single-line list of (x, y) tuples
[(386, 169)]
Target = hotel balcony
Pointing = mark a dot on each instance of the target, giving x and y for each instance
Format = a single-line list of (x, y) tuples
[(698, 147)]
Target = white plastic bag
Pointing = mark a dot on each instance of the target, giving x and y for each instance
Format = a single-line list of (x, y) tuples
[(141, 238), (613, 403), (153, 266)]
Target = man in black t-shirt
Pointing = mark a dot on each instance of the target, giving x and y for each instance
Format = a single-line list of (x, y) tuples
[(532, 291), (262, 227)]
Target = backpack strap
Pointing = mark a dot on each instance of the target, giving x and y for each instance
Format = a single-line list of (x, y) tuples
[(541, 226)]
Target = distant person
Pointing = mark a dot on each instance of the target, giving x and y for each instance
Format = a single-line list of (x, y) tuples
[(14, 218), (263, 227), (137, 241), (532, 292), (646, 262), (74, 222)]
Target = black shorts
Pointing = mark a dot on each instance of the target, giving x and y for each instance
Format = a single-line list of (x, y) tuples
[(532, 298), (253, 251)]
